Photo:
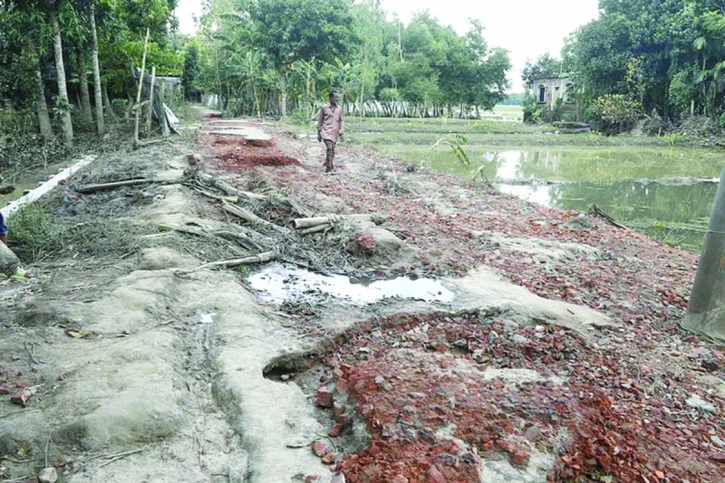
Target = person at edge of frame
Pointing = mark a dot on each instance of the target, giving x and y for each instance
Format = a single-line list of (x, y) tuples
[(3, 230)]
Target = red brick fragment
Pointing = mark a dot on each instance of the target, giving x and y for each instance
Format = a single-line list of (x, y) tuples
[(320, 449), (435, 476), (335, 431), (325, 397)]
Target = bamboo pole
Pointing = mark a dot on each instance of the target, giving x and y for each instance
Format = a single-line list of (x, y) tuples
[(260, 258), (151, 99), (162, 99), (250, 217), (310, 222), (314, 229), (231, 191), (299, 223), (91, 188), (136, 141)]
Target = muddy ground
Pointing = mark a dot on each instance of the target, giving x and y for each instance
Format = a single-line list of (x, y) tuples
[(126, 358)]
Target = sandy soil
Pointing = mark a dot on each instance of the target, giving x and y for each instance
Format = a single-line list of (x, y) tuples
[(559, 359)]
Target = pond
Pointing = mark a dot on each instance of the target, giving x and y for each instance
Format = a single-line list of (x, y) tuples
[(663, 191)]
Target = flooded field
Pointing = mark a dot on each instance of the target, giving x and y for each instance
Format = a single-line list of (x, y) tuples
[(661, 190)]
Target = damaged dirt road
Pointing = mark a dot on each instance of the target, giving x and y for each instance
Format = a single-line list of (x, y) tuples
[(131, 356)]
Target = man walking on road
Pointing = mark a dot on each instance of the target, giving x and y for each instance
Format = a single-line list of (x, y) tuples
[(330, 128)]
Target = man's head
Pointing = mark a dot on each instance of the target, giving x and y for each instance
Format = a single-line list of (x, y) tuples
[(334, 98)]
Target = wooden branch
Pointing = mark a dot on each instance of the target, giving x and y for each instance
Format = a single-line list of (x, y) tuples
[(231, 191), (260, 258), (230, 199), (595, 210), (91, 188), (239, 238), (250, 217), (322, 220)]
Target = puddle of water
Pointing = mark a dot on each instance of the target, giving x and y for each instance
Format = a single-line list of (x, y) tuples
[(280, 283)]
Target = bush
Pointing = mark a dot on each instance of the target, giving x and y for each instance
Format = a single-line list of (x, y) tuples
[(700, 126), (615, 114), (532, 113)]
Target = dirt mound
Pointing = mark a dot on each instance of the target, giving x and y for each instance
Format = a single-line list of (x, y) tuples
[(9, 262)]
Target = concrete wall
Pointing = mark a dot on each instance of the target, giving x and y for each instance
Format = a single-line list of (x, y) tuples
[(548, 90)]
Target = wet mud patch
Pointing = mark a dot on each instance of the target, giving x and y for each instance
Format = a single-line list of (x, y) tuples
[(281, 284), (472, 397)]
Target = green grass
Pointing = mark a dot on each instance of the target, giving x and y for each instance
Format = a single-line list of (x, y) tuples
[(375, 133), (439, 125), (381, 138), (509, 112)]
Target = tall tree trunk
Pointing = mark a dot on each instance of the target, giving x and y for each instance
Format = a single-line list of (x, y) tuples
[(218, 76), (62, 89), (362, 97), (97, 91), (41, 106), (283, 89), (83, 83), (109, 106)]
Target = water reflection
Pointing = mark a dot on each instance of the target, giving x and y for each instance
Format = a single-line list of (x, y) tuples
[(280, 283), (666, 193)]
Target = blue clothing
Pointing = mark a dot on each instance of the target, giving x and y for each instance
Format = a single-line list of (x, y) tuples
[(3, 228)]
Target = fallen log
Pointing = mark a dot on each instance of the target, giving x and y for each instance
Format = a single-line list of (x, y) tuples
[(92, 188), (299, 223), (250, 217), (260, 258)]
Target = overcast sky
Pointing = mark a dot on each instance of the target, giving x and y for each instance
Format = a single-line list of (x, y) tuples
[(527, 28)]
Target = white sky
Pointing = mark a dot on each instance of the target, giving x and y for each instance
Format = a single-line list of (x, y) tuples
[(526, 28)]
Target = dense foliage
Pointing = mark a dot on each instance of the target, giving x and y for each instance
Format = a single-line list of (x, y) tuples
[(666, 55), (59, 59), (283, 56), (659, 59)]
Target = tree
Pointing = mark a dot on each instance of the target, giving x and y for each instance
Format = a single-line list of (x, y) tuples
[(675, 45), (370, 20), (62, 105), (189, 81), (290, 31), (97, 89), (544, 66), (20, 60)]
